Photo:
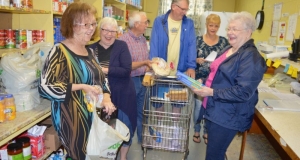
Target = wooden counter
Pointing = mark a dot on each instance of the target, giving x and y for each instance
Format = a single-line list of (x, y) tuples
[(284, 126)]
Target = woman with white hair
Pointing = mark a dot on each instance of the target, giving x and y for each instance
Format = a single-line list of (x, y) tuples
[(115, 60), (230, 92)]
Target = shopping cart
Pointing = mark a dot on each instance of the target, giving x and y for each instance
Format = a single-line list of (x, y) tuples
[(167, 113)]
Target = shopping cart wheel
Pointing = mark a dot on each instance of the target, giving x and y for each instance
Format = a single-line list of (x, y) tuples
[(185, 155)]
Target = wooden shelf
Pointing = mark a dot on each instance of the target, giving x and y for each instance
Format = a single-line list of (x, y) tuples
[(46, 154), (24, 120), (120, 21), (22, 10), (132, 7), (11, 50), (114, 2), (57, 13)]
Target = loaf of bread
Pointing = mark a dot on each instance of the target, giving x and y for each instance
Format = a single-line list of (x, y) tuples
[(178, 95), (148, 79), (160, 66)]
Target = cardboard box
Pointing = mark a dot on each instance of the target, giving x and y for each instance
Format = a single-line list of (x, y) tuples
[(47, 121), (52, 141)]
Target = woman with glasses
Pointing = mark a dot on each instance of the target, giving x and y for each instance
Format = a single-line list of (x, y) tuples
[(70, 71), (230, 92), (206, 44), (115, 60)]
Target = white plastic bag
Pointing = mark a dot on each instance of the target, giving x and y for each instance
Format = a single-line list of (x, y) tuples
[(20, 77), (103, 140)]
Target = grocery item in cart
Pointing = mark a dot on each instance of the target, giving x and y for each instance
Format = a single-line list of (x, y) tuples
[(155, 133), (178, 95), (148, 79), (160, 66)]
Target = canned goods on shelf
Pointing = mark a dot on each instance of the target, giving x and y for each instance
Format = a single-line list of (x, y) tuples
[(2, 38), (10, 38), (21, 38), (38, 36)]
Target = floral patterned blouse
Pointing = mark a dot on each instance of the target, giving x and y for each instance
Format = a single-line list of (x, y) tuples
[(203, 50)]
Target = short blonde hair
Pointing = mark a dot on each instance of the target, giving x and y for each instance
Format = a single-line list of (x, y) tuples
[(213, 18), (246, 18), (108, 21)]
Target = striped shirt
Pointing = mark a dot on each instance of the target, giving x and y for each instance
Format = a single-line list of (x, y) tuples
[(138, 49)]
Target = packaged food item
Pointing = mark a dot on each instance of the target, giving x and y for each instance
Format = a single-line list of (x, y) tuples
[(148, 79), (15, 151), (188, 81), (156, 135), (10, 107), (92, 101), (160, 66), (25, 142), (2, 109)]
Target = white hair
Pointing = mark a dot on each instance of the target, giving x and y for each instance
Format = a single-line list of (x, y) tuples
[(135, 17), (176, 1), (246, 18), (108, 21)]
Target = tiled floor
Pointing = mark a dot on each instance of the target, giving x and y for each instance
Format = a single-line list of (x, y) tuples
[(257, 148)]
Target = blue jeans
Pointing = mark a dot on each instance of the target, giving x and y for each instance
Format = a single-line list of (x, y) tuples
[(219, 138), (124, 118), (140, 96), (198, 116)]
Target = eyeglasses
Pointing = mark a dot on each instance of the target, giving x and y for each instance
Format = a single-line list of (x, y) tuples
[(234, 30), (146, 22), (88, 25), (183, 9), (105, 31)]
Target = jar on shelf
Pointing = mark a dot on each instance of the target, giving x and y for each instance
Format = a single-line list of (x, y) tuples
[(2, 109), (10, 107), (25, 142), (15, 151)]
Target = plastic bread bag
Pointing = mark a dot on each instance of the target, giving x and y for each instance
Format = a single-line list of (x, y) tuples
[(160, 67)]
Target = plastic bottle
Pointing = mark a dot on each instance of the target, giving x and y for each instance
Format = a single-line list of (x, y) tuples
[(2, 109), (15, 151), (25, 142), (10, 107)]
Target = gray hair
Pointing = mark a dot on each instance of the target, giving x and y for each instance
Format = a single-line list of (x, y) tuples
[(135, 17), (176, 1), (246, 18), (108, 21)]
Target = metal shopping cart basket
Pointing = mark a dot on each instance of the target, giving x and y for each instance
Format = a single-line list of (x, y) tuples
[(167, 113)]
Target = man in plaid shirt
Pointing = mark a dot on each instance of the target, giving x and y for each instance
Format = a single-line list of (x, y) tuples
[(137, 45)]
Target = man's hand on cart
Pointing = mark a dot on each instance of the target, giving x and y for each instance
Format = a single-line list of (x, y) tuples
[(148, 65), (109, 106)]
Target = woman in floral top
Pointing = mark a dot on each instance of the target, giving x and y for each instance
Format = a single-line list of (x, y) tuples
[(206, 44)]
